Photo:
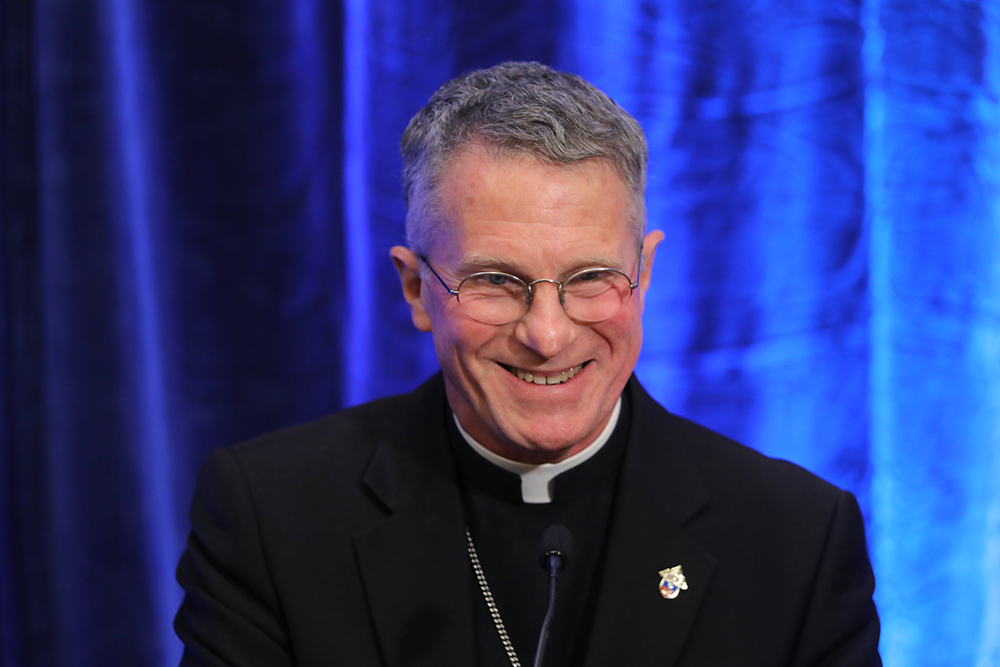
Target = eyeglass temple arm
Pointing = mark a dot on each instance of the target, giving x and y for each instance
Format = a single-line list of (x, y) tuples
[(451, 291)]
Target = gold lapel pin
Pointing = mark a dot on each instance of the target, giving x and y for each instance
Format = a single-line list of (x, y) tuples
[(672, 582)]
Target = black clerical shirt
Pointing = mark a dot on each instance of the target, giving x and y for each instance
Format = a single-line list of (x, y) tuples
[(506, 532)]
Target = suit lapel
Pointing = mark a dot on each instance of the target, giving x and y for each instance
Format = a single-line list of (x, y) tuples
[(659, 490), (414, 565)]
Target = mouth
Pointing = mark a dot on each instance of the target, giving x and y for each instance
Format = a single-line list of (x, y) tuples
[(533, 378)]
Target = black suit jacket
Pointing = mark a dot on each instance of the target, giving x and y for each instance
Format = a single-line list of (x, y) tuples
[(341, 542)]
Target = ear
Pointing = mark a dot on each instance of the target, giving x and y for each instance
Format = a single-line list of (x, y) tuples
[(408, 265), (649, 244)]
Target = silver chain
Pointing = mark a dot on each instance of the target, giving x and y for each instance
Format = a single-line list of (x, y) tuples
[(490, 602)]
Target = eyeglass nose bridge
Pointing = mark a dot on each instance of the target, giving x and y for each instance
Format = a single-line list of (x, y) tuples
[(559, 286)]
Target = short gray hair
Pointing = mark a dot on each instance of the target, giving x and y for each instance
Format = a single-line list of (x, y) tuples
[(517, 108)]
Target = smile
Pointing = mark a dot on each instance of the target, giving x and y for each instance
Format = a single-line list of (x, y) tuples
[(558, 378)]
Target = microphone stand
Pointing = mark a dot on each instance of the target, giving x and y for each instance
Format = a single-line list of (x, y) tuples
[(553, 565)]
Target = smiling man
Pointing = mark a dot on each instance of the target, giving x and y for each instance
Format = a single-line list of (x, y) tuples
[(406, 531), (543, 384)]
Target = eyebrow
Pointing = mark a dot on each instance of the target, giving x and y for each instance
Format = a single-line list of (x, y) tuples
[(477, 263)]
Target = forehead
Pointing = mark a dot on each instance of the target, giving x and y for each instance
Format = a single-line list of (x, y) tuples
[(519, 209)]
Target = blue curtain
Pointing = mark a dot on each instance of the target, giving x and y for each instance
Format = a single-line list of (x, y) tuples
[(197, 199)]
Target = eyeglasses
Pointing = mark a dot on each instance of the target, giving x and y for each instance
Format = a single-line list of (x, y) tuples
[(493, 297)]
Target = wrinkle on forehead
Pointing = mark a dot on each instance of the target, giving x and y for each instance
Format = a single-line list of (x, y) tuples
[(491, 202)]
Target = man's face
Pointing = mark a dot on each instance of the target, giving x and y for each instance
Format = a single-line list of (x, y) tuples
[(535, 221)]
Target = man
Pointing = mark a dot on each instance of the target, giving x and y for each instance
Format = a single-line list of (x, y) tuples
[(405, 531)]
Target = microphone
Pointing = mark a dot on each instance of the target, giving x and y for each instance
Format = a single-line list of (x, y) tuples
[(554, 551), (555, 547)]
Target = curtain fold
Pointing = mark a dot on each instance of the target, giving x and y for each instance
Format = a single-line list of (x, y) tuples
[(197, 201), (935, 171)]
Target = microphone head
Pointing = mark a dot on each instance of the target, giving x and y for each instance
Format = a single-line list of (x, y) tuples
[(556, 541)]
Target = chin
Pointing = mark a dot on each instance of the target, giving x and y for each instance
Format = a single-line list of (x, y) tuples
[(550, 444)]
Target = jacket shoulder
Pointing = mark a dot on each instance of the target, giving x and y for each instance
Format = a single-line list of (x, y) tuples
[(706, 464), (732, 465), (346, 439)]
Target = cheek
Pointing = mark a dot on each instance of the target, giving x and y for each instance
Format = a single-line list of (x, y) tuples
[(445, 316), (457, 336), (624, 334)]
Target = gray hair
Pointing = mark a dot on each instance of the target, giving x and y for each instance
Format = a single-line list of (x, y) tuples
[(517, 108)]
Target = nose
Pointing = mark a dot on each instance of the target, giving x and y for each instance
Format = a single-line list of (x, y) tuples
[(546, 328)]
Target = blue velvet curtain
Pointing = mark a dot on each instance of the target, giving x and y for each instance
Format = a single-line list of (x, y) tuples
[(197, 197)]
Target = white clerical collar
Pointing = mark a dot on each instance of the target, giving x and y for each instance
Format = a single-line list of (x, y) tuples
[(536, 478)]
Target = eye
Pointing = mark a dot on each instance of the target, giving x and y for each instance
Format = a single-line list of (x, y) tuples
[(592, 276), (498, 279)]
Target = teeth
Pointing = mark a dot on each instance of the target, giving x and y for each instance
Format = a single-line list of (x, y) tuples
[(545, 379)]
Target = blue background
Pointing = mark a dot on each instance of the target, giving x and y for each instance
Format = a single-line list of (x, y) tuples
[(197, 199)]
